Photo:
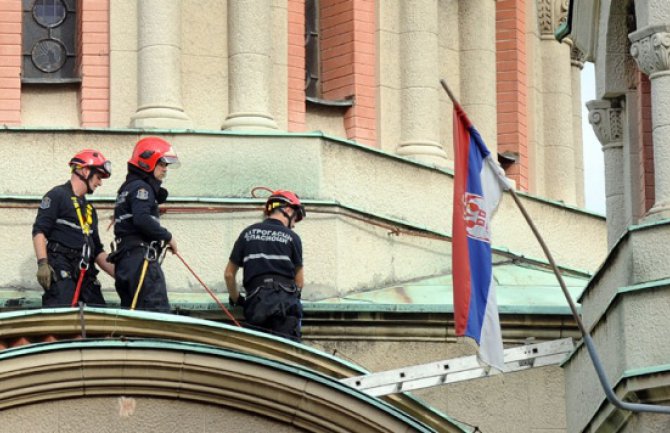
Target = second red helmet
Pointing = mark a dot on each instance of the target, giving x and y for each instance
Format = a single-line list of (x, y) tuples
[(93, 159), (149, 151), (284, 198)]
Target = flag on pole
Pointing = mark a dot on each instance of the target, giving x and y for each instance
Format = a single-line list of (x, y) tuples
[(477, 192)]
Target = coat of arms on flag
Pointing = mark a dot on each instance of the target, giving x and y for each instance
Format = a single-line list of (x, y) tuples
[(477, 192)]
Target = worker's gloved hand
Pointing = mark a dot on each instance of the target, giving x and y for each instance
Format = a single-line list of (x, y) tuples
[(240, 300), (44, 272)]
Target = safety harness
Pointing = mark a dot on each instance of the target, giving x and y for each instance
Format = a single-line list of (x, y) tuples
[(85, 225), (150, 255)]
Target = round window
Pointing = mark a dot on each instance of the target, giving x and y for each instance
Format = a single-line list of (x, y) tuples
[(49, 13), (48, 55)]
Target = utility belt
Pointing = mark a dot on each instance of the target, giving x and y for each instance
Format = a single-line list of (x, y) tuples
[(271, 281), (129, 242), (71, 253), (83, 254), (153, 249)]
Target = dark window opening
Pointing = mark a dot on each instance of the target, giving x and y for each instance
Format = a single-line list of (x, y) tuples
[(311, 48), (49, 41), (313, 77)]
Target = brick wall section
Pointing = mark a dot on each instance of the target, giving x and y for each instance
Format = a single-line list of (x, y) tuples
[(361, 120), (645, 133), (337, 48), (512, 86), (10, 62), (296, 65), (348, 63), (94, 62)]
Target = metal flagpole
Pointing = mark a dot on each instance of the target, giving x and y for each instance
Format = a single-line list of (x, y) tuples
[(588, 341)]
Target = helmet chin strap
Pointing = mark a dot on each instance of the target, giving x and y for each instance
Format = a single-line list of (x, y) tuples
[(86, 180), (287, 216)]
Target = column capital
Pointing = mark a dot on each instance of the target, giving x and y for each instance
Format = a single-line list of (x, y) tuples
[(607, 121), (577, 57), (651, 49), (550, 15)]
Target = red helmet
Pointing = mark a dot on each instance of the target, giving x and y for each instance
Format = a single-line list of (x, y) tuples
[(151, 150), (93, 159), (282, 198)]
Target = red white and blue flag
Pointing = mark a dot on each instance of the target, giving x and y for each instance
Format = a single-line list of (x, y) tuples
[(477, 192)]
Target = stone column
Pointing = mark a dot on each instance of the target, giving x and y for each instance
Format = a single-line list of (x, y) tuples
[(477, 37), (420, 122), (559, 151), (159, 66), (606, 119), (249, 65), (577, 62), (651, 51)]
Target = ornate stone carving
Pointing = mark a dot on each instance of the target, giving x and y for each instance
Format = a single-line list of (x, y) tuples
[(551, 14), (577, 57), (545, 16), (607, 122), (563, 11), (652, 52)]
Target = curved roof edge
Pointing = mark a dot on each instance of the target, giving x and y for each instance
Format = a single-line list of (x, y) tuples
[(198, 335), (195, 348)]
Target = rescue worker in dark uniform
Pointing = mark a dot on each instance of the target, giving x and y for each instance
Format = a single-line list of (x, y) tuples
[(271, 254), (66, 239), (140, 238)]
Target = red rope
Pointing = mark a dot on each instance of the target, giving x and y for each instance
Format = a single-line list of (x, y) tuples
[(225, 310), (77, 290), (260, 188)]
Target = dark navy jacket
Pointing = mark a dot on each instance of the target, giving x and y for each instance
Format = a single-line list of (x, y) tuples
[(136, 211), (267, 248), (57, 219)]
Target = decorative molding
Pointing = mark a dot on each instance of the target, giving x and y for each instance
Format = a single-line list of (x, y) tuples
[(652, 52), (545, 16), (607, 122), (563, 12), (291, 397), (551, 14)]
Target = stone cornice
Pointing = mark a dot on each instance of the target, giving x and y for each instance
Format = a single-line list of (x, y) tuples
[(632, 387), (606, 121)]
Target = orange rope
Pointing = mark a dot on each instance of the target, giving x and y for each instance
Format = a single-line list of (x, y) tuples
[(225, 310)]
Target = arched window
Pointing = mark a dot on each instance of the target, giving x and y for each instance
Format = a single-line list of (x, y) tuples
[(49, 41)]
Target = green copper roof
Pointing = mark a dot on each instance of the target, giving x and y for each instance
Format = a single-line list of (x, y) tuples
[(521, 289)]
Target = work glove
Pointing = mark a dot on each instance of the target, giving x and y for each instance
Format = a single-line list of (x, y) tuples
[(44, 272), (240, 300)]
